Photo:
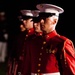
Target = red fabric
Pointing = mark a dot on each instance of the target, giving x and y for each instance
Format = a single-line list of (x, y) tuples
[(58, 55), (69, 56)]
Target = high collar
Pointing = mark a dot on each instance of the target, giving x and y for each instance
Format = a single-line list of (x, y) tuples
[(30, 31), (39, 34), (50, 35)]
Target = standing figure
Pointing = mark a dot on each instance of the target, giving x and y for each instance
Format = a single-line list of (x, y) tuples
[(27, 21), (27, 33), (53, 54), (36, 19), (3, 36)]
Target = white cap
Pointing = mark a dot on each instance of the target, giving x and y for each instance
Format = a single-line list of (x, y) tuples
[(26, 12), (35, 13), (50, 8)]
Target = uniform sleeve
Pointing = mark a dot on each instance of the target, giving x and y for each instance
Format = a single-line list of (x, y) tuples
[(69, 58)]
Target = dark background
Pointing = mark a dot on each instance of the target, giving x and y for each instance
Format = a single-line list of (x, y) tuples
[(65, 25), (12, 7)]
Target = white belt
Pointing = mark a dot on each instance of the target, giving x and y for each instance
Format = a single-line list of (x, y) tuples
[(19, 73), (56, 73)]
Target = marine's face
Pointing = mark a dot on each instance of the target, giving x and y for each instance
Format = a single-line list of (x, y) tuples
[(46, 24), (28, 23), (37, 27)]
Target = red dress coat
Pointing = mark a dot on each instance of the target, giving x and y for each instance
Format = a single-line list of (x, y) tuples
[(49, 54), (30, 35)]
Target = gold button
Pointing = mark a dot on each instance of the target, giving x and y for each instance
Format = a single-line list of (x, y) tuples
[(29, 31), (39, 59), (38, 70), (53, 51), (41, 47), (39, 64), (47, 36), (41, 34), (44, 42), (40, 53), (26, 35)]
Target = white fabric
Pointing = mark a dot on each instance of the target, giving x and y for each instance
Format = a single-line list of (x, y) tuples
[(35, 13), (49, 10), (56, 73), (26, 12), (49, 6), (3, 48), (19, 73)]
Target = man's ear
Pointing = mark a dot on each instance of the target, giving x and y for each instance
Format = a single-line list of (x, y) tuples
[(24, 21), (54, 20)]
